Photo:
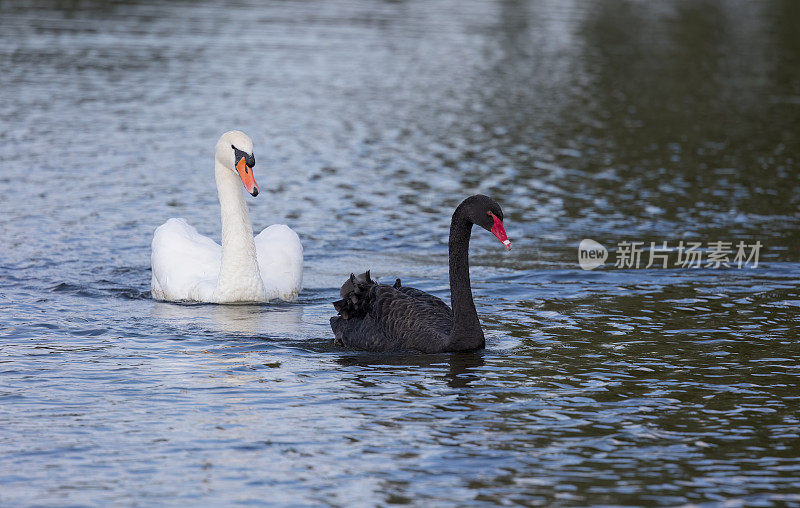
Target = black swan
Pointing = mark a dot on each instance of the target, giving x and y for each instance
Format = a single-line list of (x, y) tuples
[(379, 317)]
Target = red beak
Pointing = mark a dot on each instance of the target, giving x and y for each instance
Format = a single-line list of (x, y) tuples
[(500, 232)]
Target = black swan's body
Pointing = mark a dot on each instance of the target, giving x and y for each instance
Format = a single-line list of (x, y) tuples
[(379, 317)]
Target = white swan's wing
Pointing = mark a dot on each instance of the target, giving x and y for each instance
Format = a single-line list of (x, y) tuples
[(280, 261), (185, 263)]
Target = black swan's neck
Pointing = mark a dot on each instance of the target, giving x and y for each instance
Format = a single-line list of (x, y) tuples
[(467, 333)]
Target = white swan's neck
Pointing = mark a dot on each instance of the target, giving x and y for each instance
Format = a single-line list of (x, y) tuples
[(239, 278)]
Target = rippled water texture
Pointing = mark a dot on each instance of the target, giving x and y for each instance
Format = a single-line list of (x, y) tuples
[(610, 120)]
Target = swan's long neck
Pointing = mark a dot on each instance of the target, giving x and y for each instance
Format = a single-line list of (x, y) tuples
[(239, 278), (467, 333)]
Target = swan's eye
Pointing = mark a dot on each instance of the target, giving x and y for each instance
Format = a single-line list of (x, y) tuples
[(238, 155)]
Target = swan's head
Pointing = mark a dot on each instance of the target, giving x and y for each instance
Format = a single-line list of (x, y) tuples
[(486, 213), (235, 152)]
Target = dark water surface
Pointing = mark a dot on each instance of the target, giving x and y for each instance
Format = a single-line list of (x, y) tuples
[(611, 120)]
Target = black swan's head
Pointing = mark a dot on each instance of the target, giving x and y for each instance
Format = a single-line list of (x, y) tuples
[(486, 213)]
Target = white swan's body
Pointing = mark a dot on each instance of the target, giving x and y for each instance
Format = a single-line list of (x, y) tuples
[(188, 266)]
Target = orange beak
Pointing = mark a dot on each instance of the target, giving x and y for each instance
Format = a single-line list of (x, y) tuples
[(246, 174)]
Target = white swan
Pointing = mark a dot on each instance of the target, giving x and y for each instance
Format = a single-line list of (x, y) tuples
[(188, 266)]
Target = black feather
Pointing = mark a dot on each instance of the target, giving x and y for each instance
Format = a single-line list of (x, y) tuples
[(379, 317)]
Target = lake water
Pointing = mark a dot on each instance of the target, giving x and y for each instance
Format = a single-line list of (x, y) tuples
[(611, 120)]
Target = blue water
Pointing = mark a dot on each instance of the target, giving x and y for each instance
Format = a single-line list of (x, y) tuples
[(616, 121)]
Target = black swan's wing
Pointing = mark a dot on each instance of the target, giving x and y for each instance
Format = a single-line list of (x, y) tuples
[(423, 297), (378, 317)]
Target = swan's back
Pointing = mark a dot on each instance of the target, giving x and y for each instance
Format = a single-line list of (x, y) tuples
[(185, 263), (379, 317), (280, 261)]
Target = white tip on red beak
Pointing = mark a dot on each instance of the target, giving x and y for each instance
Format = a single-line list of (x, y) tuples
[(507, 243)]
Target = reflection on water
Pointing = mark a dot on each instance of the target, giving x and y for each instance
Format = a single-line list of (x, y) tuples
[(460, 367), (609, 120), (247, 320)]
